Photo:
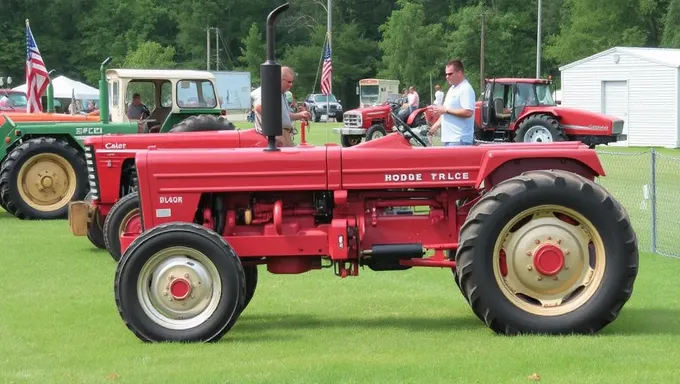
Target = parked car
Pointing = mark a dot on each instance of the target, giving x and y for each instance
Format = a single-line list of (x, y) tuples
[(317, 104)]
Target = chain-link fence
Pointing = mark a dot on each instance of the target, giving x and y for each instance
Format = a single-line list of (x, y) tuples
[(647, 184)]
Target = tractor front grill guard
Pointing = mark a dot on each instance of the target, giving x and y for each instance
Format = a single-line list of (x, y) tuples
[(91, 172)]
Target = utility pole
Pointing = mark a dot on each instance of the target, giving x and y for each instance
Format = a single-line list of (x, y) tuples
[(217, 49), (538, 42), (481, 54), (207, 51)]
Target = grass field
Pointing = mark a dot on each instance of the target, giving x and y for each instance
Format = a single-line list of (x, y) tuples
[(59, 324)]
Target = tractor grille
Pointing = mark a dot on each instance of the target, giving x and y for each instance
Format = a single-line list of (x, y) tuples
[(351, 120), (91, 172)]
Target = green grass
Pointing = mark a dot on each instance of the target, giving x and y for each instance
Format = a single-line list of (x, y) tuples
[(59, 324)]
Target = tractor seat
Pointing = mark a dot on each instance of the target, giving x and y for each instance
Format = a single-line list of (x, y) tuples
[(498, 105)]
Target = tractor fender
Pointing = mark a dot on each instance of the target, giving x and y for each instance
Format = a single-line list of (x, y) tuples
[(542, 111), (504, 164)]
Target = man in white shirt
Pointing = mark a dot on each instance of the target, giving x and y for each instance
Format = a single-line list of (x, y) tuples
[(457, 120), (438, 95), (412, 102), (287, 79)]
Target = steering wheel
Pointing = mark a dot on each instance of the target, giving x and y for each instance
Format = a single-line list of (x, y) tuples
[(399, 122), (145, 112)]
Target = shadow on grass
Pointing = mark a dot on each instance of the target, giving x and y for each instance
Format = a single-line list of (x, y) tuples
[(260, 323), (645, 321)]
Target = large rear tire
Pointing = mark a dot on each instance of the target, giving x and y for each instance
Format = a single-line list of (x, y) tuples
[(203, 123), (179, 282), (251, 283), (40, 177), (124, 216), (547, 252)]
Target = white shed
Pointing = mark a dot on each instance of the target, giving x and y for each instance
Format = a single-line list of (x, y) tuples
[(638, 85)]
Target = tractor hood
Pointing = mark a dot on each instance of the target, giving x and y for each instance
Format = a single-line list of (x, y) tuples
[(378, 110), (578, 121)]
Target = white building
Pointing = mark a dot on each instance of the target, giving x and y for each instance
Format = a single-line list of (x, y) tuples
[(638, 85)]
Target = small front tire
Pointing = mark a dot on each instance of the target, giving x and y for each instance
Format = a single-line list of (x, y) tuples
[(179, 282)]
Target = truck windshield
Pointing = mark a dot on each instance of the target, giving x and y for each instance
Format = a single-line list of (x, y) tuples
[(324, 99), (369, 94)]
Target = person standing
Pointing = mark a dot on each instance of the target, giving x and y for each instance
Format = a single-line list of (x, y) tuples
[(438, 95), (457, 113), (287, 79)]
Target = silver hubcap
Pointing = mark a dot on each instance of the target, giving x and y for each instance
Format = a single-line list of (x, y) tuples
[(377, 134), (538, 134), (179, 288)]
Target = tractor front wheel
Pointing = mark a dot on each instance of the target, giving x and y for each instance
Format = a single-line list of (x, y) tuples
[(179, 282), (547, 252), (40, 177), (540, 129), (124, 217), (350, 140), (376, 131), (95, 231)]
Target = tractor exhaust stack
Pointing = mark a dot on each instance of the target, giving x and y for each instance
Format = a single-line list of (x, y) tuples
[(270, 78)]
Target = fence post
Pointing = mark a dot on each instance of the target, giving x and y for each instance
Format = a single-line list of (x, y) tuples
[(653, 197)]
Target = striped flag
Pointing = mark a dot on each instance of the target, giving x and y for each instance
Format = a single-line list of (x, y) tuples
[(36, 74), (326, 71)]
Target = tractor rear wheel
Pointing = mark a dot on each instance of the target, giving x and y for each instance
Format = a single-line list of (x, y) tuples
[(203, 123), (123, 217), (179, 282), (95, 232), (540, 129), (40, 177), (547, 252)]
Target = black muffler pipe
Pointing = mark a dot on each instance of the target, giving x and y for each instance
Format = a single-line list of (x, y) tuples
[(270, 78), (385, 257)]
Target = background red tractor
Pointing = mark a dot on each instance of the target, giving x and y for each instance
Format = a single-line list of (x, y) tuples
[(369, 123), (523, 110)]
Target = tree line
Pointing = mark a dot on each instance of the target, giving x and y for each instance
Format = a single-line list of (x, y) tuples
[(407, 40)]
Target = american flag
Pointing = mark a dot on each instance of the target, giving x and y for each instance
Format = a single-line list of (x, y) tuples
[(36, 74), (326, 71)]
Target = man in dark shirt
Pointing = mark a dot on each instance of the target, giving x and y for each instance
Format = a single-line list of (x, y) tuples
[(136, 108)]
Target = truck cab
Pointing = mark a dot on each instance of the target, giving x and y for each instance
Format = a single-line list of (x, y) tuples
[(167, 96)]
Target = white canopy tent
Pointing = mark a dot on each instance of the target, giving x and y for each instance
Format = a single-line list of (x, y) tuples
[(65, 88)]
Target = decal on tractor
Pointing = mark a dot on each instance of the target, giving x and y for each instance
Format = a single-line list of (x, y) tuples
[(115, 145), (395, 177), (89, 131), (450, 176), (171, 200)]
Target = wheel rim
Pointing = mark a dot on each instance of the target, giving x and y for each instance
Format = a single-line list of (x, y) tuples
[(179, 288), (538, 134), (131, 223), (377, 135), (47, 182), (549, 260), (354, 141)]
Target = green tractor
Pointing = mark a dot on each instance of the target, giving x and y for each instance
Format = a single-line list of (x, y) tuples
[(42, 164)]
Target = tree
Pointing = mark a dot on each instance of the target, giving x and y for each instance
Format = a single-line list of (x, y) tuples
[(253, 52), (150, 55), (412, 49), (671, 30)]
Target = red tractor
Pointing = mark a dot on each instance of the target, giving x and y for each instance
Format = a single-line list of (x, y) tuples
[(112, 206), (523, 110), (370, 123), (533, 242)]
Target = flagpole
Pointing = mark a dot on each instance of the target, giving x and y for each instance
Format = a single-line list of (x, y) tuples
[(330, 85)]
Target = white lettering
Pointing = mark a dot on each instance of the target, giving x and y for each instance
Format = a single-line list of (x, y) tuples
[(171, 200), (89, 131), (397, 177), (450, 176), (115, 146)]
